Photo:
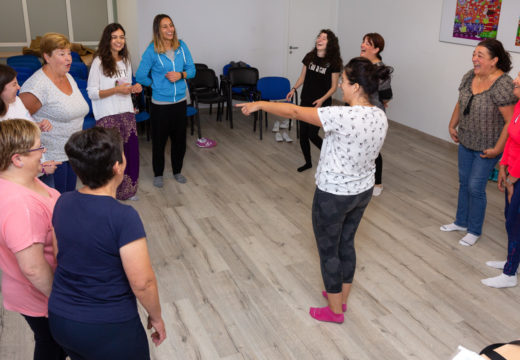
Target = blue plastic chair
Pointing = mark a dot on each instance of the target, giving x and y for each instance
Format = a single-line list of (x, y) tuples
[(28, 61), (75, 56), (79, 70), (89, 120), (275, 88)]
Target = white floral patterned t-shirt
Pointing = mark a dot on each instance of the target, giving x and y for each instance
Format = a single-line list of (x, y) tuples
[(354, 136)]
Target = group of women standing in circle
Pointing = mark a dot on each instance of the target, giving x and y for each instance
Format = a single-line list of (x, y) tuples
[(80, 301)]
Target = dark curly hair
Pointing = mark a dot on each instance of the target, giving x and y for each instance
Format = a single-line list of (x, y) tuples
[(332, 52), (360, 70), (104, 50), (496, 50), (7, 74)]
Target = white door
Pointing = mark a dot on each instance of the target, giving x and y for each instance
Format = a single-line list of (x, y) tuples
[(306, 19)]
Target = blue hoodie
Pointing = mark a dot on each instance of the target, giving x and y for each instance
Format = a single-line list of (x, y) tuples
[(154, 66)]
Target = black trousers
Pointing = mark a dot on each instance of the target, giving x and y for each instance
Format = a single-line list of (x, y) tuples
[(45, 347), (379, 169), (168, 121), (309, 133)]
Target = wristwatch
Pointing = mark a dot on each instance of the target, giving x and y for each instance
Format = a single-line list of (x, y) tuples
[(182, 74)]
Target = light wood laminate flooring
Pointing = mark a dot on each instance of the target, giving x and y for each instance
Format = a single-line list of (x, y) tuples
[(237, 265)]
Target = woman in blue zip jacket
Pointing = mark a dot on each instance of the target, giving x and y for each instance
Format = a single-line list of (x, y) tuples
[(165, 66)]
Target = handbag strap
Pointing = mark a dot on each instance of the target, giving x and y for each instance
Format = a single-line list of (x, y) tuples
[(489, 351)]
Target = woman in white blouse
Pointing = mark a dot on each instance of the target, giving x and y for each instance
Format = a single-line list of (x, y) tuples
[(345, 175), (110, 88), (51, 93)]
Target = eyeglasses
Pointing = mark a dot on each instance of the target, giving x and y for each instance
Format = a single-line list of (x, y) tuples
[(468, 106), (41, 148)]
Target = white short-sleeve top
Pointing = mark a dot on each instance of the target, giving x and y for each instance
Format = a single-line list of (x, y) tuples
[(353, 138), (65, 112)]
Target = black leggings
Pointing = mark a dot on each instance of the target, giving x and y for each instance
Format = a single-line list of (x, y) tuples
[(335, 219), (45, 347), (168, 121)]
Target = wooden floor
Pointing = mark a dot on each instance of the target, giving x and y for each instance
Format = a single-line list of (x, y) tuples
[(237, 264)]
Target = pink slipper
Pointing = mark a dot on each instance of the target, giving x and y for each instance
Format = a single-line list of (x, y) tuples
[(206, 143), (326, 314), (343, 306)]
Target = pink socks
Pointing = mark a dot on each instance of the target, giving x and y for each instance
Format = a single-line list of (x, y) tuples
[(326, 314), (343, 306)]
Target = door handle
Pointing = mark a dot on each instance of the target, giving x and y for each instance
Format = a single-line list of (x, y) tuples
[(293, 47)]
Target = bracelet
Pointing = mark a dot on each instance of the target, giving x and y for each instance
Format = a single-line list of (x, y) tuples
[(293, 89), (182, 75)]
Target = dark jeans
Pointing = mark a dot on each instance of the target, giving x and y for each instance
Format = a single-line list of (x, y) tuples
[(45, 348), (85, 341), (168, 121), (512, 215), (335, 219), (63, 179), (309, 133)]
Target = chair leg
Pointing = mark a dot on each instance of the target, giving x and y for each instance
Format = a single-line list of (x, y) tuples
[(197, 119), (210, 108), (191, 125), (260, 123)]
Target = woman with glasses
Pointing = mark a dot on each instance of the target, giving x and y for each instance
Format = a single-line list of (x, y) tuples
[(110, 88), (51, 93), (345, 176), (479, 125), (27, 256)]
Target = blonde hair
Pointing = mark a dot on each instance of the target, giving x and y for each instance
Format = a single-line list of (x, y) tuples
[(157, 41), (52, 41), (16, 136)]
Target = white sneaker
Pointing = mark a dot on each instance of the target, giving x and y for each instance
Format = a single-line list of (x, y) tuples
[(496, 264), (286, 137), (500, 281), (276, 127), (278, 137), (284, 124)]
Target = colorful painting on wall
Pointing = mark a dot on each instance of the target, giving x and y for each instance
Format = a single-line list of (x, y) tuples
[(477, 19), (517, 42)]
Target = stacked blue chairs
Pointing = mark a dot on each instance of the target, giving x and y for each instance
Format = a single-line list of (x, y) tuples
[(75, 57), (24, 61), (89, 121), (275, 88), (82, 83), (78, 70)]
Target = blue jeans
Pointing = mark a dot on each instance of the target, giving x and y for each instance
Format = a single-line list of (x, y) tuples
[(473, 177), (63, 179), (512, 213)]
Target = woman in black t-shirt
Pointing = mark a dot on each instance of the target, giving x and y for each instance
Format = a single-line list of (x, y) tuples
[(319, 76)]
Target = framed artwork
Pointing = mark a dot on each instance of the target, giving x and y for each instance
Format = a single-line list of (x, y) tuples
[(467, 22)]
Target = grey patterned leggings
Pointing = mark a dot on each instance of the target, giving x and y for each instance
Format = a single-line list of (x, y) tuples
[(335, 219)]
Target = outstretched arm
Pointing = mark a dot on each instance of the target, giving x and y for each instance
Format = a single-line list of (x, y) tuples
[(290, 111)]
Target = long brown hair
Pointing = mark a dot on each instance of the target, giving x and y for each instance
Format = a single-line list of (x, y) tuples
[(7, 74), (157, 41), (104, 50)]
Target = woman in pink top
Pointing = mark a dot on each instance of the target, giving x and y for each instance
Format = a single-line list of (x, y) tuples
[(508, 181), (27, 258)]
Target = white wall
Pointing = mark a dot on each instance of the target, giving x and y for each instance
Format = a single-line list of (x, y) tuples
[(427, 72), (216, 32)]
